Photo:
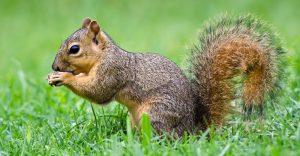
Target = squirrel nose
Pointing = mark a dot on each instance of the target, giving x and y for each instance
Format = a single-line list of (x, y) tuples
[(55, 67)]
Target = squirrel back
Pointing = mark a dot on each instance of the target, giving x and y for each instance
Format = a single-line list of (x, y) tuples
[(229, 47), (94, 67)]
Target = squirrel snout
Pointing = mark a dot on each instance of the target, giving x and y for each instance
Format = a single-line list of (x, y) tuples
[(55, 67)]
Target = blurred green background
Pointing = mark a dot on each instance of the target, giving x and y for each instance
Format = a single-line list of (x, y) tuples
[(35, 118)]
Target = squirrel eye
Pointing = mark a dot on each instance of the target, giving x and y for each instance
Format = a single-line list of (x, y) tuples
[(74, 49)]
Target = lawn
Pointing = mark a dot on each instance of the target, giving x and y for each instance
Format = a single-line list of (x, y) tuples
[(36, 119)]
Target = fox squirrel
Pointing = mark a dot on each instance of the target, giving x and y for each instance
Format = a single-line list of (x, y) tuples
[(94, 67)]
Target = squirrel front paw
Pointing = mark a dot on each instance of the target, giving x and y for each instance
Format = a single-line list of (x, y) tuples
[(59, 78)]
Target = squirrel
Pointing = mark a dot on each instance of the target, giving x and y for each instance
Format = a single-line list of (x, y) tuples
[(94, 67)]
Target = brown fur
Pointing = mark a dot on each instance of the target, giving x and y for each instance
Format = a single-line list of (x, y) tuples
[(152, 84), (236, 56)]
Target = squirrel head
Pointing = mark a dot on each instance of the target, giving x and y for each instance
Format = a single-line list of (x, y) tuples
[(81, 51)]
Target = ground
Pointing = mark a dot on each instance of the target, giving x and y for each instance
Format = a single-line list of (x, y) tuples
[(36, 119)]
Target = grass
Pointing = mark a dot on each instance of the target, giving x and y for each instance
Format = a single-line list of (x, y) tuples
[(36, 119)]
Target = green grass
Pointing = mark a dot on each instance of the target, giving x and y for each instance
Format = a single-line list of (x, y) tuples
[(36, 119)]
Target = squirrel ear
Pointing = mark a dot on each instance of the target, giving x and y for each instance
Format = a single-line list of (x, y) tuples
[(94, 27), (95, 33), (86, 22)]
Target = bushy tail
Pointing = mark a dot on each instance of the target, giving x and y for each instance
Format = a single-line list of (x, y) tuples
[(230, 47)]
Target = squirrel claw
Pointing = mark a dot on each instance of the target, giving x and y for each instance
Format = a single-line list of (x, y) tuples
[(58, 78)]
